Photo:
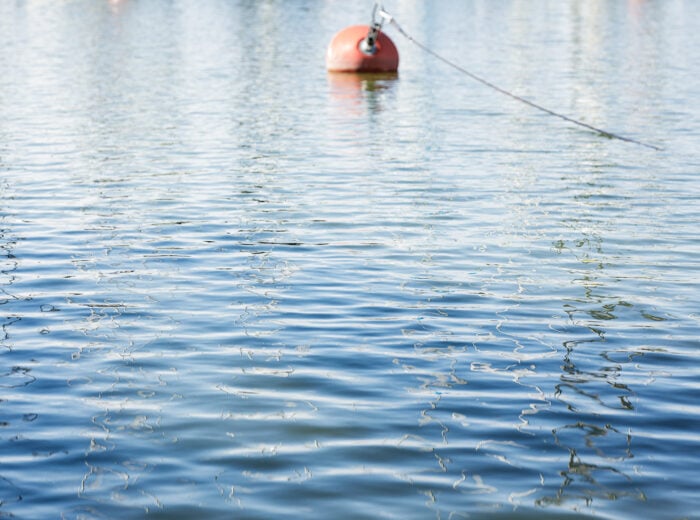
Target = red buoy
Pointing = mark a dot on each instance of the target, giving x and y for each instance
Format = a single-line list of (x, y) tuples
[(357, 49)]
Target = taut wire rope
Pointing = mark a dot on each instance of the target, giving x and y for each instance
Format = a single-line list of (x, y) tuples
[(390, 19)]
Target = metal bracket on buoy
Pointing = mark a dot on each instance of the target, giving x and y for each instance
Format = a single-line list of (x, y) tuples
[(364, 48), (369, 45)]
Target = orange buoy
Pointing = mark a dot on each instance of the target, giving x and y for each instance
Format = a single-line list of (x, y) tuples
[(362, 48)]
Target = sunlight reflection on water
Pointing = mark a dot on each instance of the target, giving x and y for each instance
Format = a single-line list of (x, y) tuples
[(234, 284)]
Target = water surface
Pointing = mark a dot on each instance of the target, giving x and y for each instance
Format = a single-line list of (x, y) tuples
[(233, 286)]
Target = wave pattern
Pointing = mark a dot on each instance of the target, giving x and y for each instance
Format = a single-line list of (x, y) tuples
[(233, 287)]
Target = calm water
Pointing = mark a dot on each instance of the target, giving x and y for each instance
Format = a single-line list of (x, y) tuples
[(232, 286)]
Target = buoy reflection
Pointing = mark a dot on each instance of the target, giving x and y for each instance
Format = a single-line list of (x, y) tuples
[(359, 92), (369, 82)]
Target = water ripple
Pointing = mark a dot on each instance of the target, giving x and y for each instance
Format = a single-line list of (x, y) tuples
[(234, 286)]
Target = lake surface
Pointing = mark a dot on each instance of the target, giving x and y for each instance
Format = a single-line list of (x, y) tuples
[(233, 286)]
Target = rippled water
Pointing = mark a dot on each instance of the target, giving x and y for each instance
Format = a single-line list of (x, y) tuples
[(233, 286)]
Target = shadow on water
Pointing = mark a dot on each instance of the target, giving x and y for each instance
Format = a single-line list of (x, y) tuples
[(13, 375), (9, 264), (599, 444)]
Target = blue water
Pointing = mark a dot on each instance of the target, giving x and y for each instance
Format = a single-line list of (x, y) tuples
[(233, 286)]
